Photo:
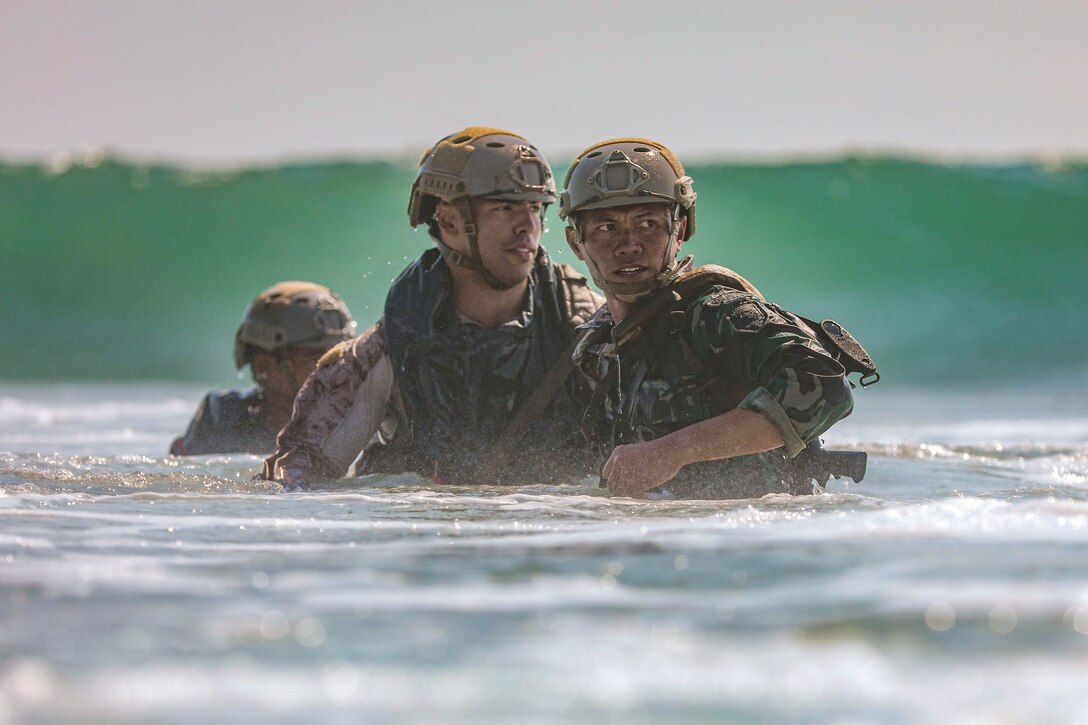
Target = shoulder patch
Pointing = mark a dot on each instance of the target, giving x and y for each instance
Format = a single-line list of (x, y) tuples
[(748, 317), (334, 355)]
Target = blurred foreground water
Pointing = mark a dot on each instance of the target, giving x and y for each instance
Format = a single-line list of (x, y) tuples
[(950, 586)]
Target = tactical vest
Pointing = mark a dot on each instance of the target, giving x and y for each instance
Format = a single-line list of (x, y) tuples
[(460, 383), (649, 382)]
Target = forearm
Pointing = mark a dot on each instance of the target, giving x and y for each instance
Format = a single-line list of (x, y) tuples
[(336, 413), (299, 458), (633, 469), (738, 432)]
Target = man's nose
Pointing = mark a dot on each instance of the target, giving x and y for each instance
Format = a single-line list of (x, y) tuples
[(526, 218), (627, 242)]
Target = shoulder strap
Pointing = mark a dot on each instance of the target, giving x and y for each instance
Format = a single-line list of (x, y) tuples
[(710, 275), (579, 303)]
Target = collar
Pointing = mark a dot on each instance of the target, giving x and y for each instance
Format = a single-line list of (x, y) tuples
[(523, 320)]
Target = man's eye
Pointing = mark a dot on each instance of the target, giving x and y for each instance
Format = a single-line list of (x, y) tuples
[(647, 223), (606, 227)]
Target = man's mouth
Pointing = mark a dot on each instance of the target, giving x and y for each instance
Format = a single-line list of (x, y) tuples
[(525, 251), (630, 270)]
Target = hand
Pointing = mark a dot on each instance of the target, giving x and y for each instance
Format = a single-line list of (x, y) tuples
[(634, 469)]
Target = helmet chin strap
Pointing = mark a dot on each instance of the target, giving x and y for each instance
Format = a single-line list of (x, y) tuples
[(667, 272), (473, 260)]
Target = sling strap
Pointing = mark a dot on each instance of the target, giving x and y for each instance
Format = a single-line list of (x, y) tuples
[(529, 412)]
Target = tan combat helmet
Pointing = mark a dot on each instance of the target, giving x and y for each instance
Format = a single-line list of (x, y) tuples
[(477, 162), (626, 171), (286, 314)]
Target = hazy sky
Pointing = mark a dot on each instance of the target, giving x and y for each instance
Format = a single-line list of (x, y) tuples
[(214, 80)]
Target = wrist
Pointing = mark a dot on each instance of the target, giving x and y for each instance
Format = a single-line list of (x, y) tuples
[(674, 449)]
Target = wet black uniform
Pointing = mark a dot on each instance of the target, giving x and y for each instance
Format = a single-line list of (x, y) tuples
[(227, 421)]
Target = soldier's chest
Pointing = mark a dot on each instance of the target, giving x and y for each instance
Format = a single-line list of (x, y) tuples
[(658, 388)]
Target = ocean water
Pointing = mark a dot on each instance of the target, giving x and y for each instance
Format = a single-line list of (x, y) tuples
[(951, 585), (949, 274)]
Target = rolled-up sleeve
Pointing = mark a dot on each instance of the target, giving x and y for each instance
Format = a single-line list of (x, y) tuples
[(337, 411), (793, 381)]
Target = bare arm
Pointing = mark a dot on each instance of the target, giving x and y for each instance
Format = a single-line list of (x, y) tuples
[(634, 469)]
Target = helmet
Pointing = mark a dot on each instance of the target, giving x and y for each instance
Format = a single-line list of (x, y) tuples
[(300, 314), (627, 171), (478, 162), (622, 172)]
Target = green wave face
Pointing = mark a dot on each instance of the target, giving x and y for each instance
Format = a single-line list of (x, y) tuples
[(949, 275)]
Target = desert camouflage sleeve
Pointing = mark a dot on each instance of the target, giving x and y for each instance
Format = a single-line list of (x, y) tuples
[(794, 381), (336, 412)]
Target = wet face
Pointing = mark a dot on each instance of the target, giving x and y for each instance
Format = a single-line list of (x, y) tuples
[(627, 243), (507, 232)]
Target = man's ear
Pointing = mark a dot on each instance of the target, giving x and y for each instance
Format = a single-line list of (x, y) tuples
[(448, 217), (262, 365), (572, 242)]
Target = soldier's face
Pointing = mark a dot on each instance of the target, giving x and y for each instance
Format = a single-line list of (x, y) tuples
[(508, 233), (282, 375), (627, 243)]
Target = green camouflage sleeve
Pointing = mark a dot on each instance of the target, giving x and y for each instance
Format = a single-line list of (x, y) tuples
[(793, 380)]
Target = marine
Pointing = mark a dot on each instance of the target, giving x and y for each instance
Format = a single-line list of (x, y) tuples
[(283, 333), (468, 376), (702, 388)]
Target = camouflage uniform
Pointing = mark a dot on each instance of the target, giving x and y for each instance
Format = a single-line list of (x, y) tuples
[(428, 392), (716, 350), (227, 422)]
